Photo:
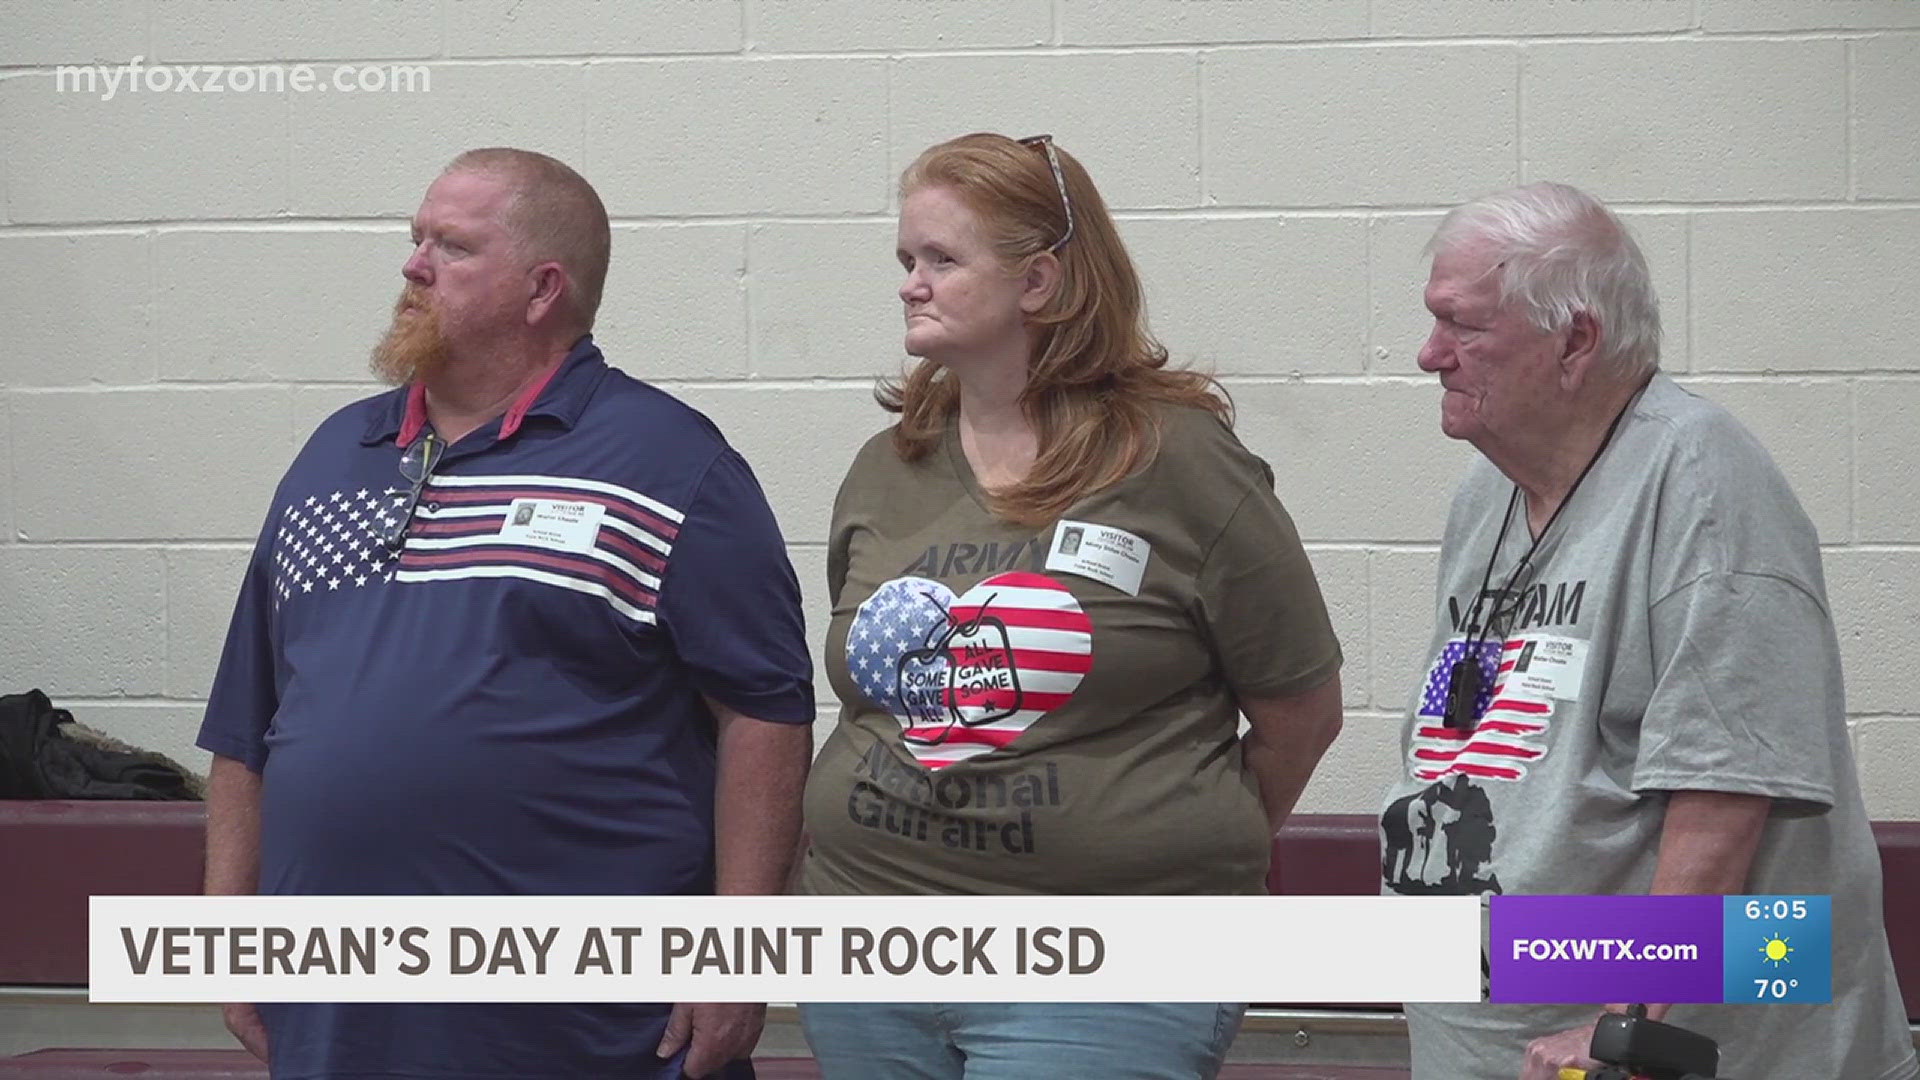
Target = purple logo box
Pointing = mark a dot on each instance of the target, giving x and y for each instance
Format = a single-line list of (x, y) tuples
[(1601, 950)]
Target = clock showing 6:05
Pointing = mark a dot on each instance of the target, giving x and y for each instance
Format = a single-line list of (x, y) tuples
[(1778, 949)]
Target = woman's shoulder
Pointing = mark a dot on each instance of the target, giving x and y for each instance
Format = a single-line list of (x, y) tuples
[(874, 465), (878, 451), (878, 473), (1197, 446)]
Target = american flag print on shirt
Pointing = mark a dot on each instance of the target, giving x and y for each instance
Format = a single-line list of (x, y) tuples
[(969, 674), (1510, 729), (461, 531), (329, 542)]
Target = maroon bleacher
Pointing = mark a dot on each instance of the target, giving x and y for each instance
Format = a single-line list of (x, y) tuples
[(58, 853), (1899, 843), (1326, 855), (62, 1064)]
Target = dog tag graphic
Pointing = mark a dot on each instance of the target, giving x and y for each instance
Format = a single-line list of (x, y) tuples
[(968, 674), (983, 681), (921, 684)]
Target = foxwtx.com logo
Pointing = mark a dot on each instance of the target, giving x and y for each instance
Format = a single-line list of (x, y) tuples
[(1600, 949)]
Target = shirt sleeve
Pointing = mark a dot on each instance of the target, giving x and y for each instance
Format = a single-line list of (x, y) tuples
[(839, 542), (1747, 683), (731, 600), (1260, 604), (246, 692)]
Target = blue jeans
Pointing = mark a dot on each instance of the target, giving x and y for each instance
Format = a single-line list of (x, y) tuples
[(969, 1041)]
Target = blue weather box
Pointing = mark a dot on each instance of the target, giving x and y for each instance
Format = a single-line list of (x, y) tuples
[(1779, 949)]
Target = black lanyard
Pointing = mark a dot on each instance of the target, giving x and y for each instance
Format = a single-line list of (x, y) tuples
[(1463, 678)]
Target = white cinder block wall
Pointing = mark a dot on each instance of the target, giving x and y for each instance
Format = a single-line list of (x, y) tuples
[(190, 280)]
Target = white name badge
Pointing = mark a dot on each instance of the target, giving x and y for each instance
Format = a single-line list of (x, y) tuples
[(1549, 667), (552, 523), (1112, 556)]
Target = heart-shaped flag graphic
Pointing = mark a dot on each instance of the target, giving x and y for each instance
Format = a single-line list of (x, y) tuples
[(969, 674)]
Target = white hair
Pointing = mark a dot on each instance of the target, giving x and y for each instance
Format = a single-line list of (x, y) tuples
[(1561, 251)]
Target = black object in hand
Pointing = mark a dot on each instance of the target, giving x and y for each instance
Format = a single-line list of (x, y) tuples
[(1652, 1049)]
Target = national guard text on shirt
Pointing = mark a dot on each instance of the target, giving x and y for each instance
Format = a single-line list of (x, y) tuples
[(918, 805)]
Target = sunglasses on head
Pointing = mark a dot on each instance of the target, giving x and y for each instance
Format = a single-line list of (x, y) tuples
[(1045, 142)]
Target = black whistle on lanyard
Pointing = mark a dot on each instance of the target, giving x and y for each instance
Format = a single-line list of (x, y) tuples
[(1463, 693)]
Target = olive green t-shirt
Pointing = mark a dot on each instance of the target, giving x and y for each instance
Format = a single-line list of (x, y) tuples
[(1054, 711)]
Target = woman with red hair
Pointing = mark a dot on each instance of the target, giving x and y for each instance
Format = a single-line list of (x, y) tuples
[(1057, 582)]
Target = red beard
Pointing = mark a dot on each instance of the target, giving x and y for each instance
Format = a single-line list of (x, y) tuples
[(415, 345)]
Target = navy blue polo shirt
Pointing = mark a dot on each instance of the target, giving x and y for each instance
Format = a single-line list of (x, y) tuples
[(511, 703)]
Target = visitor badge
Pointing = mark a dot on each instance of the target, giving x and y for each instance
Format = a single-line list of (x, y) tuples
[(1112, 556), (1548, 667), (553, 523)]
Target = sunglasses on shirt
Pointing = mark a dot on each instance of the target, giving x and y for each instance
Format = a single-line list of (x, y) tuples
[(416, 467)]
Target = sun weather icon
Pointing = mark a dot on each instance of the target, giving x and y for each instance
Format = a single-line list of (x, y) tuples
[(1794, 933)]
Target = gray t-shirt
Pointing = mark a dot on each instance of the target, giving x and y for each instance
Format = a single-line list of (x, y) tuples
[(1670, 633)]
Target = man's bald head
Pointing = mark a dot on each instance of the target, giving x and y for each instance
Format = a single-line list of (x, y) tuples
[(554, 214)]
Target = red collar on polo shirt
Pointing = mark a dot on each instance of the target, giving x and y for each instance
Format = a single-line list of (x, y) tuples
[(413, 418)]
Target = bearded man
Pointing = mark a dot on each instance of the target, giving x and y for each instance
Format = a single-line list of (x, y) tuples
[(522, 625)]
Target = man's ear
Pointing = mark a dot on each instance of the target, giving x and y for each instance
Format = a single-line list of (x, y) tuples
[(1581, 352), (547, 284), (1039, 283)]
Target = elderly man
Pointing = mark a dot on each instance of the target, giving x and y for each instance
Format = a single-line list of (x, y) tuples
[(1634, 683), (524, 625)]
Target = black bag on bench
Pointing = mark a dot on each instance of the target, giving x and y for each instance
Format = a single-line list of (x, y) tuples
[(45, 755)]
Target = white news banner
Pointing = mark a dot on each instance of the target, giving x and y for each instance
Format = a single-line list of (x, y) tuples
[(786, 948)]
